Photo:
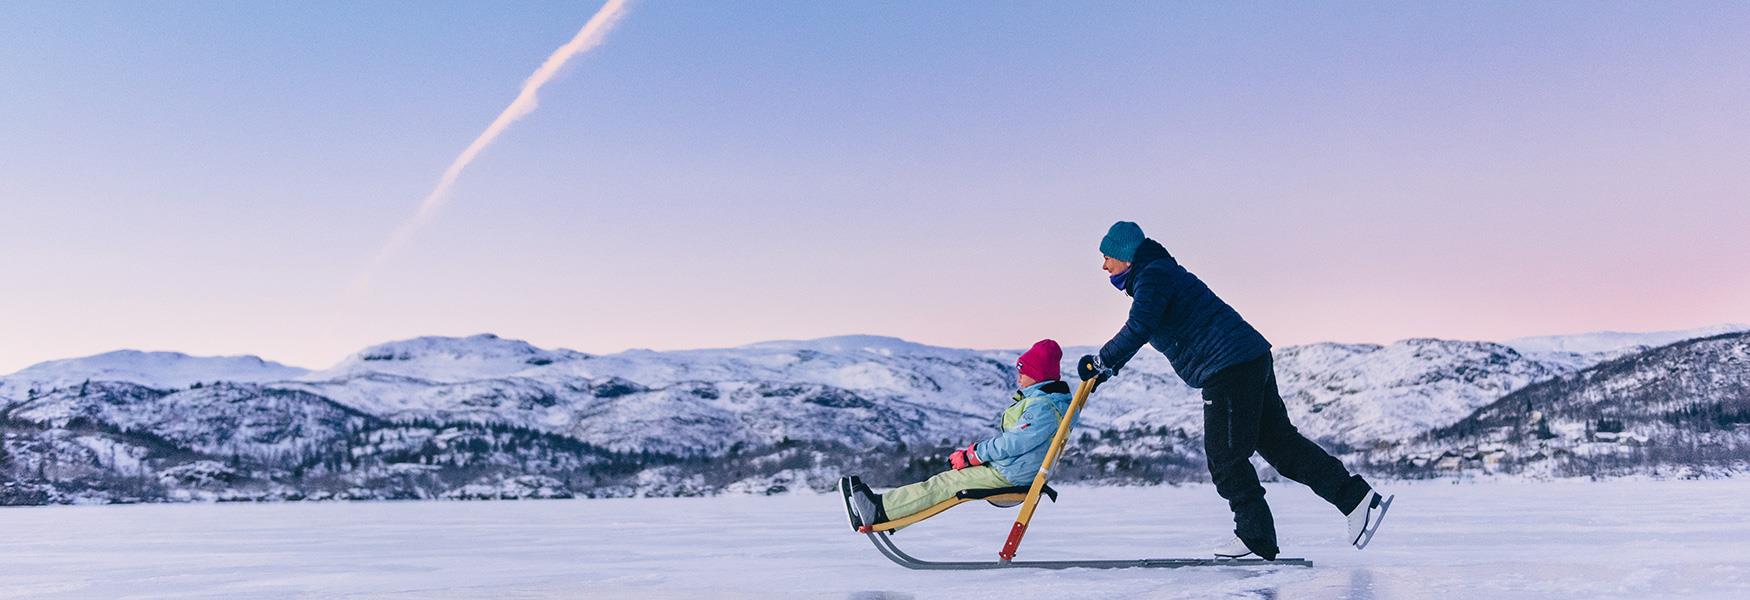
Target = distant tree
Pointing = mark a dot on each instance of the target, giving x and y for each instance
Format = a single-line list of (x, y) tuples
[(82, 387), (196, 386), (1543, 431)]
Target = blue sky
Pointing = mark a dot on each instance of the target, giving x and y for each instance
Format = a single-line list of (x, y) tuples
[(209, 177)]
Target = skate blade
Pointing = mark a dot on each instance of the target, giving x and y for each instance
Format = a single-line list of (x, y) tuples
[(1373, 526)]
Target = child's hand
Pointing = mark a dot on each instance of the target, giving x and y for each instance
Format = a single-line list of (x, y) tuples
[(967, 457)]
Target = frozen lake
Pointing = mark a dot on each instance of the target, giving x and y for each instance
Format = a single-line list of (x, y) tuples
[(1492, 540)]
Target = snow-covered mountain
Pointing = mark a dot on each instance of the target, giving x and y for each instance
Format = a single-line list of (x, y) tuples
[(1361, 393), (866, 390), (858, 390), (446, 360), (1581, 350), (1685, 405), (221, 419), (441, 416), (161, 370)]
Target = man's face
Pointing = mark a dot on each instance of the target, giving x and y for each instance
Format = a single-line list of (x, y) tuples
[(1113, 266)]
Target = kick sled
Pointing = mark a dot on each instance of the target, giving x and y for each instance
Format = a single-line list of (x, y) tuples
[(1027, 497)]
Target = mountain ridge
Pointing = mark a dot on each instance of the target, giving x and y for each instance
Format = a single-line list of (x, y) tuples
[(443, 417), (1602, 341)]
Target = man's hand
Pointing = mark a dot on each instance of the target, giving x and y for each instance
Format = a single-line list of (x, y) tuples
[(1089, 367), (967, 457)]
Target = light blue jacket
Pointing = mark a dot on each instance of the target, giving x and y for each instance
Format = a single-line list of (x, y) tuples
[(1028, 425)]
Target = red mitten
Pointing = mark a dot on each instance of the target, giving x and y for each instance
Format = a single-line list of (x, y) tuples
[(965, 458)]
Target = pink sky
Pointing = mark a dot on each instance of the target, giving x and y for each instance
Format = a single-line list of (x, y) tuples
[(714, 175)]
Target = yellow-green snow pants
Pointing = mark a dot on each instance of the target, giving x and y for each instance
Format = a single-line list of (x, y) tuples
[(906, 500)]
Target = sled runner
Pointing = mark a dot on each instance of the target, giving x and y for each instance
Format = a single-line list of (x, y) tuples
[(1028, 498)]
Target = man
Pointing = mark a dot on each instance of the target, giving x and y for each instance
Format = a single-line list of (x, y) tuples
[(1213, 349)]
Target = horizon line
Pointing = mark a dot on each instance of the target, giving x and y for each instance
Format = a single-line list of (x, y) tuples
[(1726, 325)]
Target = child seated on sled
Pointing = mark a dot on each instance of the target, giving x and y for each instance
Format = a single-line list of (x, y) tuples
[(1012, 458)]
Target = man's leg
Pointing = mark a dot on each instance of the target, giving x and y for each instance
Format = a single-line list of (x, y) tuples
[(908, 500), (1230, 436), (1301, 460)]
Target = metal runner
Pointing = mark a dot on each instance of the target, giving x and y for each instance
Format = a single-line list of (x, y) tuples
[(899, 557)]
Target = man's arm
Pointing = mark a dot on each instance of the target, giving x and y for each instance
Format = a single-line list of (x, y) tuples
[(1147, 306)]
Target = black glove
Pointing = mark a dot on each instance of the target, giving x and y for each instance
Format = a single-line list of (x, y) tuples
[(1089, 367)]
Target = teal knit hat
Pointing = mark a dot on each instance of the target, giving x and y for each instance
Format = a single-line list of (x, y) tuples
[(1121, 241)]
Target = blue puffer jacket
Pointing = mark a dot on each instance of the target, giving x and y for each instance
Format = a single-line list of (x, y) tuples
[(1027, 425), (1176, 313)]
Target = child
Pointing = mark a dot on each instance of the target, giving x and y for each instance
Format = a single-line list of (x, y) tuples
[(1011, 458)]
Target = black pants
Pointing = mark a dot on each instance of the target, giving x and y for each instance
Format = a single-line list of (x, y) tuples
[(1242, 414)]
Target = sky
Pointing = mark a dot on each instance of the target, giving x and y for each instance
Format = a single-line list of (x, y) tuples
[(214, 177)]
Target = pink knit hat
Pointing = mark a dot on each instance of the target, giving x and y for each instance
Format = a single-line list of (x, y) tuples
[(1042, 361)]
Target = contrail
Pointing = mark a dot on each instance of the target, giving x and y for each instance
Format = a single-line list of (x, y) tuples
[(586, 39)]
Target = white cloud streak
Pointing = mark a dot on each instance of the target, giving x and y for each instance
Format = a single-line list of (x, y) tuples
[(586, 39)]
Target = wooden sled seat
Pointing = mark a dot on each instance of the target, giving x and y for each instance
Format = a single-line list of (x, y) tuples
[(1006, 497)]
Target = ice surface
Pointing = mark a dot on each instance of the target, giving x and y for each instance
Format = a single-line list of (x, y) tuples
[(1623, 538)]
